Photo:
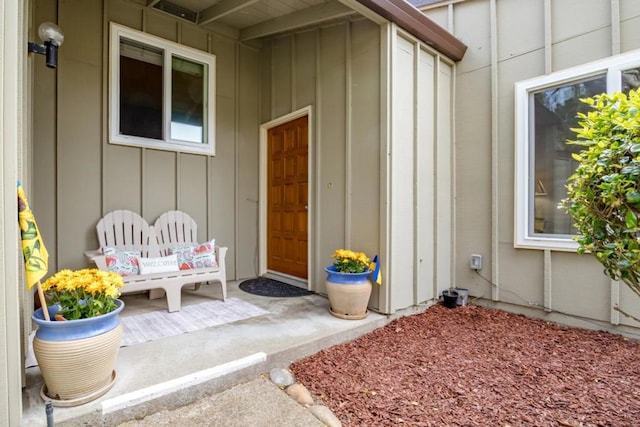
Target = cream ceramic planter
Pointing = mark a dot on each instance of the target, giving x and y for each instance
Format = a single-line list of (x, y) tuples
[(348, 293), (77, 357)]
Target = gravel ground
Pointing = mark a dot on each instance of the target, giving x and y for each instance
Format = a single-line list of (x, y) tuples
[(474, 366)]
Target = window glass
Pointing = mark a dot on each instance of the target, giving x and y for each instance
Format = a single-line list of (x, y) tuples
[(140, 90), (187, 100), (630, 79), (553, 114)]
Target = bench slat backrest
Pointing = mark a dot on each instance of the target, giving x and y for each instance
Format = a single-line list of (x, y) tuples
[(175, 228), (125, 230)]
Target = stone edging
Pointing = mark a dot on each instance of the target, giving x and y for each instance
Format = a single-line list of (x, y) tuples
[(285, 380)]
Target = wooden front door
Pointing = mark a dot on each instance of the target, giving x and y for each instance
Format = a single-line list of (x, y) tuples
[(287, 184)]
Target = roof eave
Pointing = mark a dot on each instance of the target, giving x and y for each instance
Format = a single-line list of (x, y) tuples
[(415, 22)]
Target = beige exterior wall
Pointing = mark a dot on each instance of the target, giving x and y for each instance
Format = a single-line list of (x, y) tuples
[(381, 176), (13, 157), (80, 176), (420, 192), (505, 48), (336, 71)]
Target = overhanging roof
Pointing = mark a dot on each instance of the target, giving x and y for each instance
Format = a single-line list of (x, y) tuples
[(415, 22)]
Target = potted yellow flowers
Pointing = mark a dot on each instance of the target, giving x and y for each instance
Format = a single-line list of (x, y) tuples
[(77, 349), (348, 284), (84, 293)]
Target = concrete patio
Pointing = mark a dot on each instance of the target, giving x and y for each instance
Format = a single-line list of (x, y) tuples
[(171, 372)]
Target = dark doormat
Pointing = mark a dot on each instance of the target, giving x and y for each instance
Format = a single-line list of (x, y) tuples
[(272, 288)]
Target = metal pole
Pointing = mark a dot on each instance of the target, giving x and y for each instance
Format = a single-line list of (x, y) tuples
[(48, 407)]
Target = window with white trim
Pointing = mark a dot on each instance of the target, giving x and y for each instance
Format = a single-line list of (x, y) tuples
[(161, 94), (546, 109)]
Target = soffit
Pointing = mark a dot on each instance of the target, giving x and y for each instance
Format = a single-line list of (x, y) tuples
[(256, 19)]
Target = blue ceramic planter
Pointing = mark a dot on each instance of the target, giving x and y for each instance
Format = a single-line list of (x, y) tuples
[(333, 275), (75, 329)]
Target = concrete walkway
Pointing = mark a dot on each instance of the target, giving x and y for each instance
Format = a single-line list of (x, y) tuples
[(174, 372), (257, 403)]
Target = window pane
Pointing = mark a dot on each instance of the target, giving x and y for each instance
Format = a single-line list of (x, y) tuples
[(554, 114), (630, 79), (140, 90), (188, 98)]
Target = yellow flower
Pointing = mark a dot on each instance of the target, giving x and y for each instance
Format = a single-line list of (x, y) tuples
[(83, 293), (348, 261)]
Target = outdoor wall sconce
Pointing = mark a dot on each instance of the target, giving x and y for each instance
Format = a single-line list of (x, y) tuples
[(52, 37)]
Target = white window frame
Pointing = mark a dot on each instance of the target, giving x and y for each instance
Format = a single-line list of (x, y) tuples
[(613, 67), (170, 49)]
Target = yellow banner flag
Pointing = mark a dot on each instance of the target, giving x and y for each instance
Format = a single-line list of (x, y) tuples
[(36, 257), (375, 268)]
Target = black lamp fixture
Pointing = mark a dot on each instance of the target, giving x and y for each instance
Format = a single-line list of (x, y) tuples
[(52, 37)]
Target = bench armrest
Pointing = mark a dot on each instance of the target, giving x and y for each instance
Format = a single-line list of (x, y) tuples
[(90, 255), (101, 262), (221, 253)]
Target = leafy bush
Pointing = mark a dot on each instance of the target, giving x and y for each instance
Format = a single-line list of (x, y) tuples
[(604, 192)]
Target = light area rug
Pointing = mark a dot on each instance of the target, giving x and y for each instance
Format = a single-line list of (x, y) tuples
[(151, 326), (159, 324)]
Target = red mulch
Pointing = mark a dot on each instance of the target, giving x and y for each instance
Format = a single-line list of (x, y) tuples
[(473, 366)]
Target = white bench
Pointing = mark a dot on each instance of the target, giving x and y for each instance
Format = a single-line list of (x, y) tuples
[(126, 230)]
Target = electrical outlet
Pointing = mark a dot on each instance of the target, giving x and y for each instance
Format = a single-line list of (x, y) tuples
[(476, 262)]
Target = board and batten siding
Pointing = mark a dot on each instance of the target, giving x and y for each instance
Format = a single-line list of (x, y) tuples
[(334, 70), (504, 48), (381, 177), (381, 166), (14, 157), (420, 172), (86, 177)]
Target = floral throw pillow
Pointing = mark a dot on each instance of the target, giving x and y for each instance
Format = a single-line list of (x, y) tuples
[(204, 259), (124, 263), (196, 256), (183, 254), (205, 247)]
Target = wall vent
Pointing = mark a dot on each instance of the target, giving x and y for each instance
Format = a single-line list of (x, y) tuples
[(177, 10)]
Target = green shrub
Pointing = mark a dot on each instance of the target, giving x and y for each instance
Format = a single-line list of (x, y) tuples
[(604, 192)]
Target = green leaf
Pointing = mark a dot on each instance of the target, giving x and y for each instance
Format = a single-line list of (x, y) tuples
[(623, 264), (630, 170), (633, 197), (631, 220)]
